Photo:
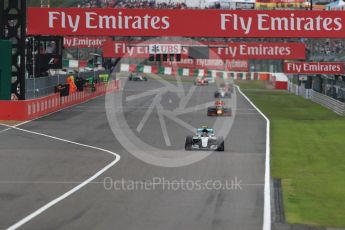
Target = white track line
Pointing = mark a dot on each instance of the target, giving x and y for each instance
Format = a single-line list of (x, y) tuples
[(11, 126), (267, 193), (70, 192), (2, 131)]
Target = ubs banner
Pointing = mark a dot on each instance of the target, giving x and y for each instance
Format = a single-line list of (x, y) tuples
[(190, 23), (241, 51), (115, 49)]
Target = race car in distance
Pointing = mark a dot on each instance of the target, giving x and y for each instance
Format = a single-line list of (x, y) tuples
[(201, 81), (204, 139), (219, 109), (227, 86), (210, 79), (222, 93), (136, 77)]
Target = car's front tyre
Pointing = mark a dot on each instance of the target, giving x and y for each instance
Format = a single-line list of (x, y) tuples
[(188, 144), (220, 141)]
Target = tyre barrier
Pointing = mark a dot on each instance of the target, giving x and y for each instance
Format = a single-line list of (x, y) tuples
[(31, 109)]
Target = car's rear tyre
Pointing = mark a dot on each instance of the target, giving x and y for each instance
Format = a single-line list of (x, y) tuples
[(209, 112), (188, 144), (220, 141), (228, 112), (145, 78)]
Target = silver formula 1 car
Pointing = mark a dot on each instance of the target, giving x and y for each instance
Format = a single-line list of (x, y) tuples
[(136, 77), (228, 86), (222, 93), (204, 139)]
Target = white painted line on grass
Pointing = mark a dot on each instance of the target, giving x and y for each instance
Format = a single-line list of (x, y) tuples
[(267, 192), (70, 192)]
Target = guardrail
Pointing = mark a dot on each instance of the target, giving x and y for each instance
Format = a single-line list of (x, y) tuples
[(331, 103), (34, 108), (299, 90)]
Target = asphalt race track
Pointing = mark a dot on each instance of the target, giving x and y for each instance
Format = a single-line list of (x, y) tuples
[(2, 128), (36, 169)]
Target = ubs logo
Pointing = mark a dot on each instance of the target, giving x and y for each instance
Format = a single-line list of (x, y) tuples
[(155, 49)]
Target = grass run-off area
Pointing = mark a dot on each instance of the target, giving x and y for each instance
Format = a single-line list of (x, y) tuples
[(307, 153)]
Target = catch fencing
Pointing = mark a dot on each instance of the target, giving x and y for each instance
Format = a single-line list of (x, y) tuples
[(43, 86)]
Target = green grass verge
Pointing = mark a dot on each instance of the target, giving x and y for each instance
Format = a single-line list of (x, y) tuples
[(307, 153)]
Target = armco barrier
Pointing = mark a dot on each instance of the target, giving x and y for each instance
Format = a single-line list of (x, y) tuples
[(31, 109), (328, 102)]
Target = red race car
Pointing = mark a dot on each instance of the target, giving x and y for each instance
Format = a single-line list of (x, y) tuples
[(219, 109), (201, 81)]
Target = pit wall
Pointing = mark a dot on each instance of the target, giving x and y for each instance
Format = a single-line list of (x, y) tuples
[(31, 109), (194, 72)]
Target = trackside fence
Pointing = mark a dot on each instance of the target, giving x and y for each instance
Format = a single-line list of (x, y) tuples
[(43, 86), (34, 108), (328, 102), (322, 99)]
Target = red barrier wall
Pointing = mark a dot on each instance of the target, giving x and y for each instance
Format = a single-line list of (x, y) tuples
[(281, 85), (31, 109)]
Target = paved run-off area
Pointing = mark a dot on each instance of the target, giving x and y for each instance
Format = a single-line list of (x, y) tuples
[(36, 169)]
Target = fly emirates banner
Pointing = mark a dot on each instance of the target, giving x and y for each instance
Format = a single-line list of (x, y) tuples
[(235, 50), (194, 23)]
